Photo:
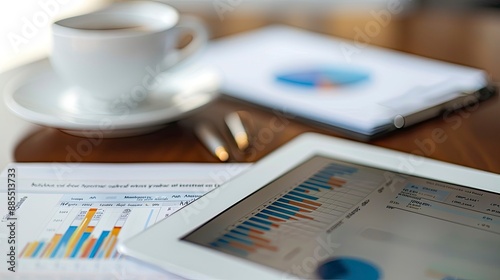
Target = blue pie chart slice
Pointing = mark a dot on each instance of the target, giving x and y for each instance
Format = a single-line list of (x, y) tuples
[(348, 269), (323, 77)]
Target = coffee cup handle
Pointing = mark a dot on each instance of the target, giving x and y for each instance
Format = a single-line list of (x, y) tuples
[(200, 38)]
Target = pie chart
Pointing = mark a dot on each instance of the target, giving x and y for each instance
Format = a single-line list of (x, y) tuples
[(323, 77), (348, 269)]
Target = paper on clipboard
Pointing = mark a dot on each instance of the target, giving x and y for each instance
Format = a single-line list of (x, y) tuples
[(288, 69)]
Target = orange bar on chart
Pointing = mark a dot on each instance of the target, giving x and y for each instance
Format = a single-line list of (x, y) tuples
[(30, 248), (275, 219), (266, 246), (310, 202), (23, 250), (242, 246), (256, 231), (336, 182), (113, 238), (88, 247), (79, 231), (257, 238), (53, 242), (302, 205), (302, 216)]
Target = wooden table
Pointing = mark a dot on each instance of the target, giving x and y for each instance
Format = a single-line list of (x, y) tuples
[(469, 137)]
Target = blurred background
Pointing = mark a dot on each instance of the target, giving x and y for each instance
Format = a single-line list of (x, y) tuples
[(466, 32), (460, 31)]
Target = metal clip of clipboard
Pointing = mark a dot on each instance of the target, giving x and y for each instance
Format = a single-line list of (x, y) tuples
[(462, 100)]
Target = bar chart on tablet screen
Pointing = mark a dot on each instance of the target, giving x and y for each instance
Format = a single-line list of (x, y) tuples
[(301, 212), (332, 220)]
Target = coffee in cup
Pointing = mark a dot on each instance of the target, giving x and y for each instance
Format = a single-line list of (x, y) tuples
[(108, 53)]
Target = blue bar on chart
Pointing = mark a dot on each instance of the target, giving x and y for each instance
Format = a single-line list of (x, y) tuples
[(306, 206)]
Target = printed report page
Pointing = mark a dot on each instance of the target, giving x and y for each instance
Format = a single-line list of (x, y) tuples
[(61, 221)]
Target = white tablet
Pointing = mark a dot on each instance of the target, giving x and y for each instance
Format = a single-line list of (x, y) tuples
[(327, 208)]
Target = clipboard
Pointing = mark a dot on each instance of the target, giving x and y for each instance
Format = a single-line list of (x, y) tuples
[(361, 91)]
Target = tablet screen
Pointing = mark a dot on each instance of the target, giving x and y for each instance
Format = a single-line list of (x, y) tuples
[(330, 219)]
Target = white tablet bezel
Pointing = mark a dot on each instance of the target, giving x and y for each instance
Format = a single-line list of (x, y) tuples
[(161, 244)]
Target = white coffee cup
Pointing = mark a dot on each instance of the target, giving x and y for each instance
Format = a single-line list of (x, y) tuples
[(107, 54)]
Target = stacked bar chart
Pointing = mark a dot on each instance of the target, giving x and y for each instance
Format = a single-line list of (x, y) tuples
[(330, 219), (299, 213), (89, 226), (80, 240)]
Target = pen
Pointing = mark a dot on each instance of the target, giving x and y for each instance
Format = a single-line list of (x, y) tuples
[(458, 101), (211, 141), (235, 125)]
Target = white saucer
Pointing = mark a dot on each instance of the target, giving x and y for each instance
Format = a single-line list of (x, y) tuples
[(37, 94)]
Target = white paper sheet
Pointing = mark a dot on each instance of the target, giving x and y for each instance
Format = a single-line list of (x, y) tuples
[(69, 217)]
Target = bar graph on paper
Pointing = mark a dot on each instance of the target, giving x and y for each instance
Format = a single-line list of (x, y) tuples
[(89, 226), (299, 213), (79, 240)]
